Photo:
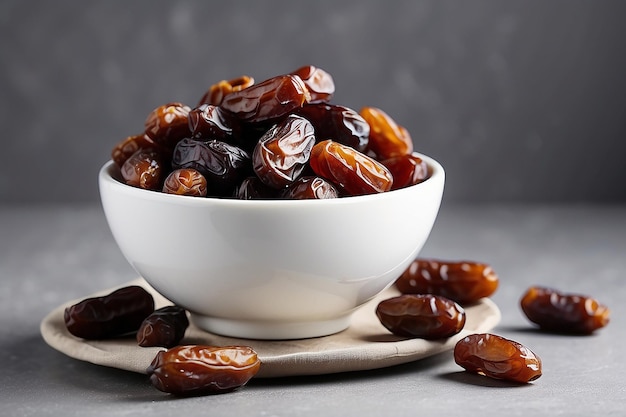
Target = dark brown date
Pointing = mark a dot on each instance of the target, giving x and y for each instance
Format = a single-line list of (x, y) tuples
[(270, 100), (424, 316), (310, 187), (222, 165), (216, 93), (168, 124), (252, 188), (338, 123), (557, 312), (112, 315), (144, 169), (125, 148), (164, 327), (196, 369), (185, 181), (282, 153), (350, 170), (407, 170), (320, 84), (496, 357), (210, 122), (387, 139), (462, 281)]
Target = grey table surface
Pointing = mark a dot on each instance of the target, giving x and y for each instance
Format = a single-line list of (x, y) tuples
[(49, 255)]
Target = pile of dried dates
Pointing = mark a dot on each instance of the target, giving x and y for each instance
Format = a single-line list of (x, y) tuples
[(278, 139)]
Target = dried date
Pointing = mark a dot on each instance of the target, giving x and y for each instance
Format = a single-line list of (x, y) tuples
[(564, 313), (252, 188), (310, 187), (423, 316), (407, 170), (208, 122), (144, 169), (118, 313), (164, 327), (222, 165), (320, 83), (216, 93), (387, 139), (282, 153), (338, 123), (464, 281), (185, 181), (196, 369), (350, 170), (125, 148), (496, 357), (267, 101), (168, 124)]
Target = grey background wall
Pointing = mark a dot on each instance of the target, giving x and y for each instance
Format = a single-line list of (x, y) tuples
[(521, 101)]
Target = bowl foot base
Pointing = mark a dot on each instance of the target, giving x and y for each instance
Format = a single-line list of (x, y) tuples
[(269, 330)]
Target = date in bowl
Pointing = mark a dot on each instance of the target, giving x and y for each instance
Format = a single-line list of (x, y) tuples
[(270, 269)]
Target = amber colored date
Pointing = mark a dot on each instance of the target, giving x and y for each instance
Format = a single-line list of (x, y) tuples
[(185, 181), (464, 281), (350, 170), (282, 153), (164, 327), (310, 187), (144, 169), (564, 313), (496, 357), (387, 138), (168, 124), (197, 370), (208, 122), (114, 314), (269, 100), (423, 316), (216, 93), (319, 83), (125, 148), (407, 170), (338, 123)]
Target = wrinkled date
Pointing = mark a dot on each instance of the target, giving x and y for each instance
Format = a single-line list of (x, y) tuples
[(115, 314), (185, 181), (269, 100), (464, 282), (423, 316), (222, 165), (168, 124), (252, 188), (124, 149), (407, 170), (283, 152), (210, 122), (320, 84), (216, 93), (164, 327), (310, 187), (387, 139), (354, 172), (564, 313), (196, 369), (496, 357), (144, 169)]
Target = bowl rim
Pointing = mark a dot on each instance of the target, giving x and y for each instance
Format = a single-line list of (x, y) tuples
[(106, 176)]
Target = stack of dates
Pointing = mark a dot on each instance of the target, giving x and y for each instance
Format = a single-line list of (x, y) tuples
[(278, 139)]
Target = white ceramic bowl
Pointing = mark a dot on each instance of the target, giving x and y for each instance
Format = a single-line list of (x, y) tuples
[(270, 269)]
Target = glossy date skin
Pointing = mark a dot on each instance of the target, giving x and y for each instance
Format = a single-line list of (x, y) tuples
[(216, 93), (407, 170), (422, 316), (144, 169), (387, 139), (338, 123), (351, 171), (222, 165), (558, 312), (269, 100), (320, 83), (465, 282), (198, 370), (310, 188), (128, 146), (115, 314), (283, 152), (168, 124), (496, 357), (164, 327), (185, 181), (208, 122)]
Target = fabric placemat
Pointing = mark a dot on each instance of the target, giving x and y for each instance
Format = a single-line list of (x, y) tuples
[(365, 345)]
